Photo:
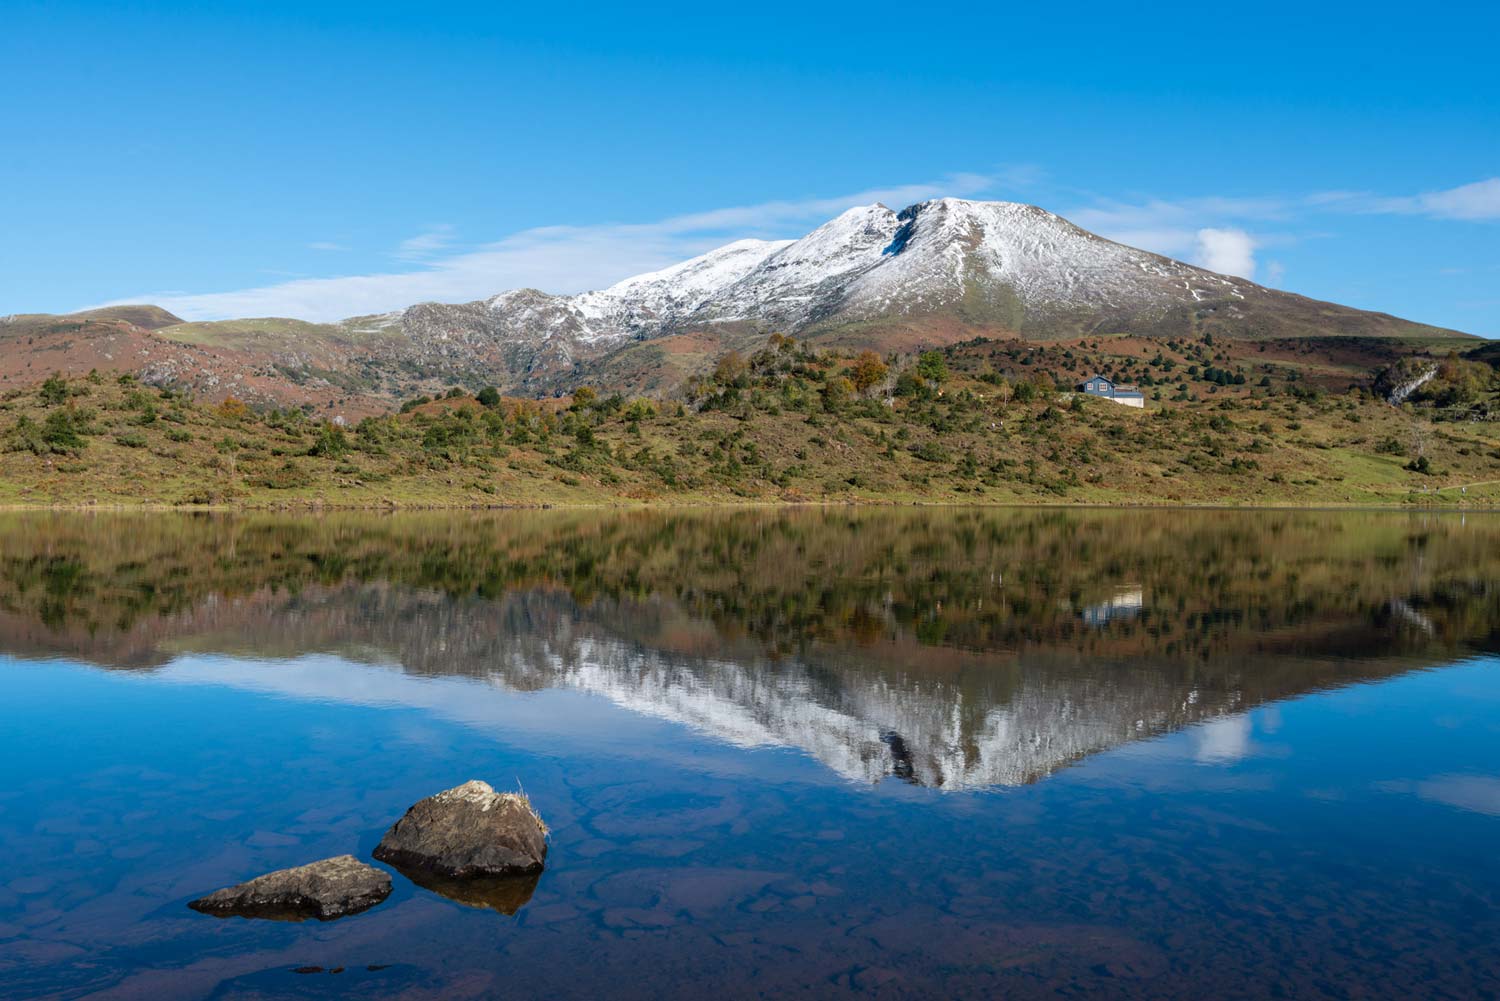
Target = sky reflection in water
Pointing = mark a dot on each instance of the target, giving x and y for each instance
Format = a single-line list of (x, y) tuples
[(956, 754)]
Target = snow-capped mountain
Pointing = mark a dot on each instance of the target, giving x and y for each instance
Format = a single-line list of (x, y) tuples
[(997, 262), (946, 268), (935, 273)]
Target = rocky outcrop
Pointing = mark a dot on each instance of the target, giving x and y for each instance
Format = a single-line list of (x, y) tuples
[(467, 832), (323, 890)]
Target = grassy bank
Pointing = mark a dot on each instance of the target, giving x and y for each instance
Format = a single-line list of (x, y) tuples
[(787, 425)]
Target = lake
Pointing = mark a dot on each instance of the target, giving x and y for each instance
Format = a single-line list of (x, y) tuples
[(883, 753)]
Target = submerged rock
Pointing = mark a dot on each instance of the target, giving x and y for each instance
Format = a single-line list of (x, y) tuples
[(324, 890), (467, 832)]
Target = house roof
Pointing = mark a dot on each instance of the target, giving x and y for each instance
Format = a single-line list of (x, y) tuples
[(1118, 389)]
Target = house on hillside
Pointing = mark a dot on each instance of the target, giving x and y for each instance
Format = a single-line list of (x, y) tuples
[(1105, 388)]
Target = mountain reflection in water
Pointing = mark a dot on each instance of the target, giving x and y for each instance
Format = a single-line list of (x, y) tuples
[(957, 649)]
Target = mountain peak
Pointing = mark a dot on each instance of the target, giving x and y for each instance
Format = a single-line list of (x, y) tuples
[(937, 269)]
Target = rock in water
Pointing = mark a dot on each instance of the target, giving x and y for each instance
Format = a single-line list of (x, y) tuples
[(324, 890), (467, 832)]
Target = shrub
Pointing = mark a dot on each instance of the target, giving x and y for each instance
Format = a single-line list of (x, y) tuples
[(54, 391), (332, 443)]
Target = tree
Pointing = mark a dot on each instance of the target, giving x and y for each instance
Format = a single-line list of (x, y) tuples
[(489, 396), (932, 366), (1003, 390), (233, 409), (730, 369), (54, 391), (869, 371), (836, 393)]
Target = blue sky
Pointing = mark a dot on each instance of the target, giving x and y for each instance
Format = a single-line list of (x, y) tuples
[(322, 160)]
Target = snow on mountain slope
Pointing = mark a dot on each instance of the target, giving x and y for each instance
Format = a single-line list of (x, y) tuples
[(804, 280), (949, 249), (983, 266), (872, 262), (672, 295)]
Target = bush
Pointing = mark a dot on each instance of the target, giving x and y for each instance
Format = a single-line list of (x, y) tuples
[(332, 443), (54, 391), (931, 451), (62, 433)]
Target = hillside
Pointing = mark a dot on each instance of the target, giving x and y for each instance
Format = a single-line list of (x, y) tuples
[(934, 274), (983, 422)]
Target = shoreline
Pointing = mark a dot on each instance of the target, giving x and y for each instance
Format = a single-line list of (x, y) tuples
[(321, 507)]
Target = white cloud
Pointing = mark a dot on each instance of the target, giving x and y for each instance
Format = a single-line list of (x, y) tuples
[(1275, 271), (425, 244), (1170, 242), (1222, 233), (326, 245), (1200, 229), (1475, 202), (1480, 200), (1227, 251), (561, 259)]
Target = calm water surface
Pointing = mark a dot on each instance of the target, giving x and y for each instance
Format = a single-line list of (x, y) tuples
[(805, 754)]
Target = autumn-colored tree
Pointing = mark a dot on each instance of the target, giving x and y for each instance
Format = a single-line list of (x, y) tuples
[(730, 368), (233, 409), (869, 371)]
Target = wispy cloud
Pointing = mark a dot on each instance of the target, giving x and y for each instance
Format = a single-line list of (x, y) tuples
[(1476, 202), (1223, 233), (554, 258), (426, 244), (326, 245)]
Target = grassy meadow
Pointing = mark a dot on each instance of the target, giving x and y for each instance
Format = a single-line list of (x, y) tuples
[(976, 424)]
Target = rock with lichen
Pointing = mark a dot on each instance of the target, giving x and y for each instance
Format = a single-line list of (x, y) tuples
[(327, 889), (468, 832)]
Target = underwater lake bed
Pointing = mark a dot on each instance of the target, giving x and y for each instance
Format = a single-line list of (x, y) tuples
[(1020, 753)]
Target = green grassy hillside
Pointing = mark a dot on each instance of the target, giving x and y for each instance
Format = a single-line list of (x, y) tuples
[(788, 423)]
